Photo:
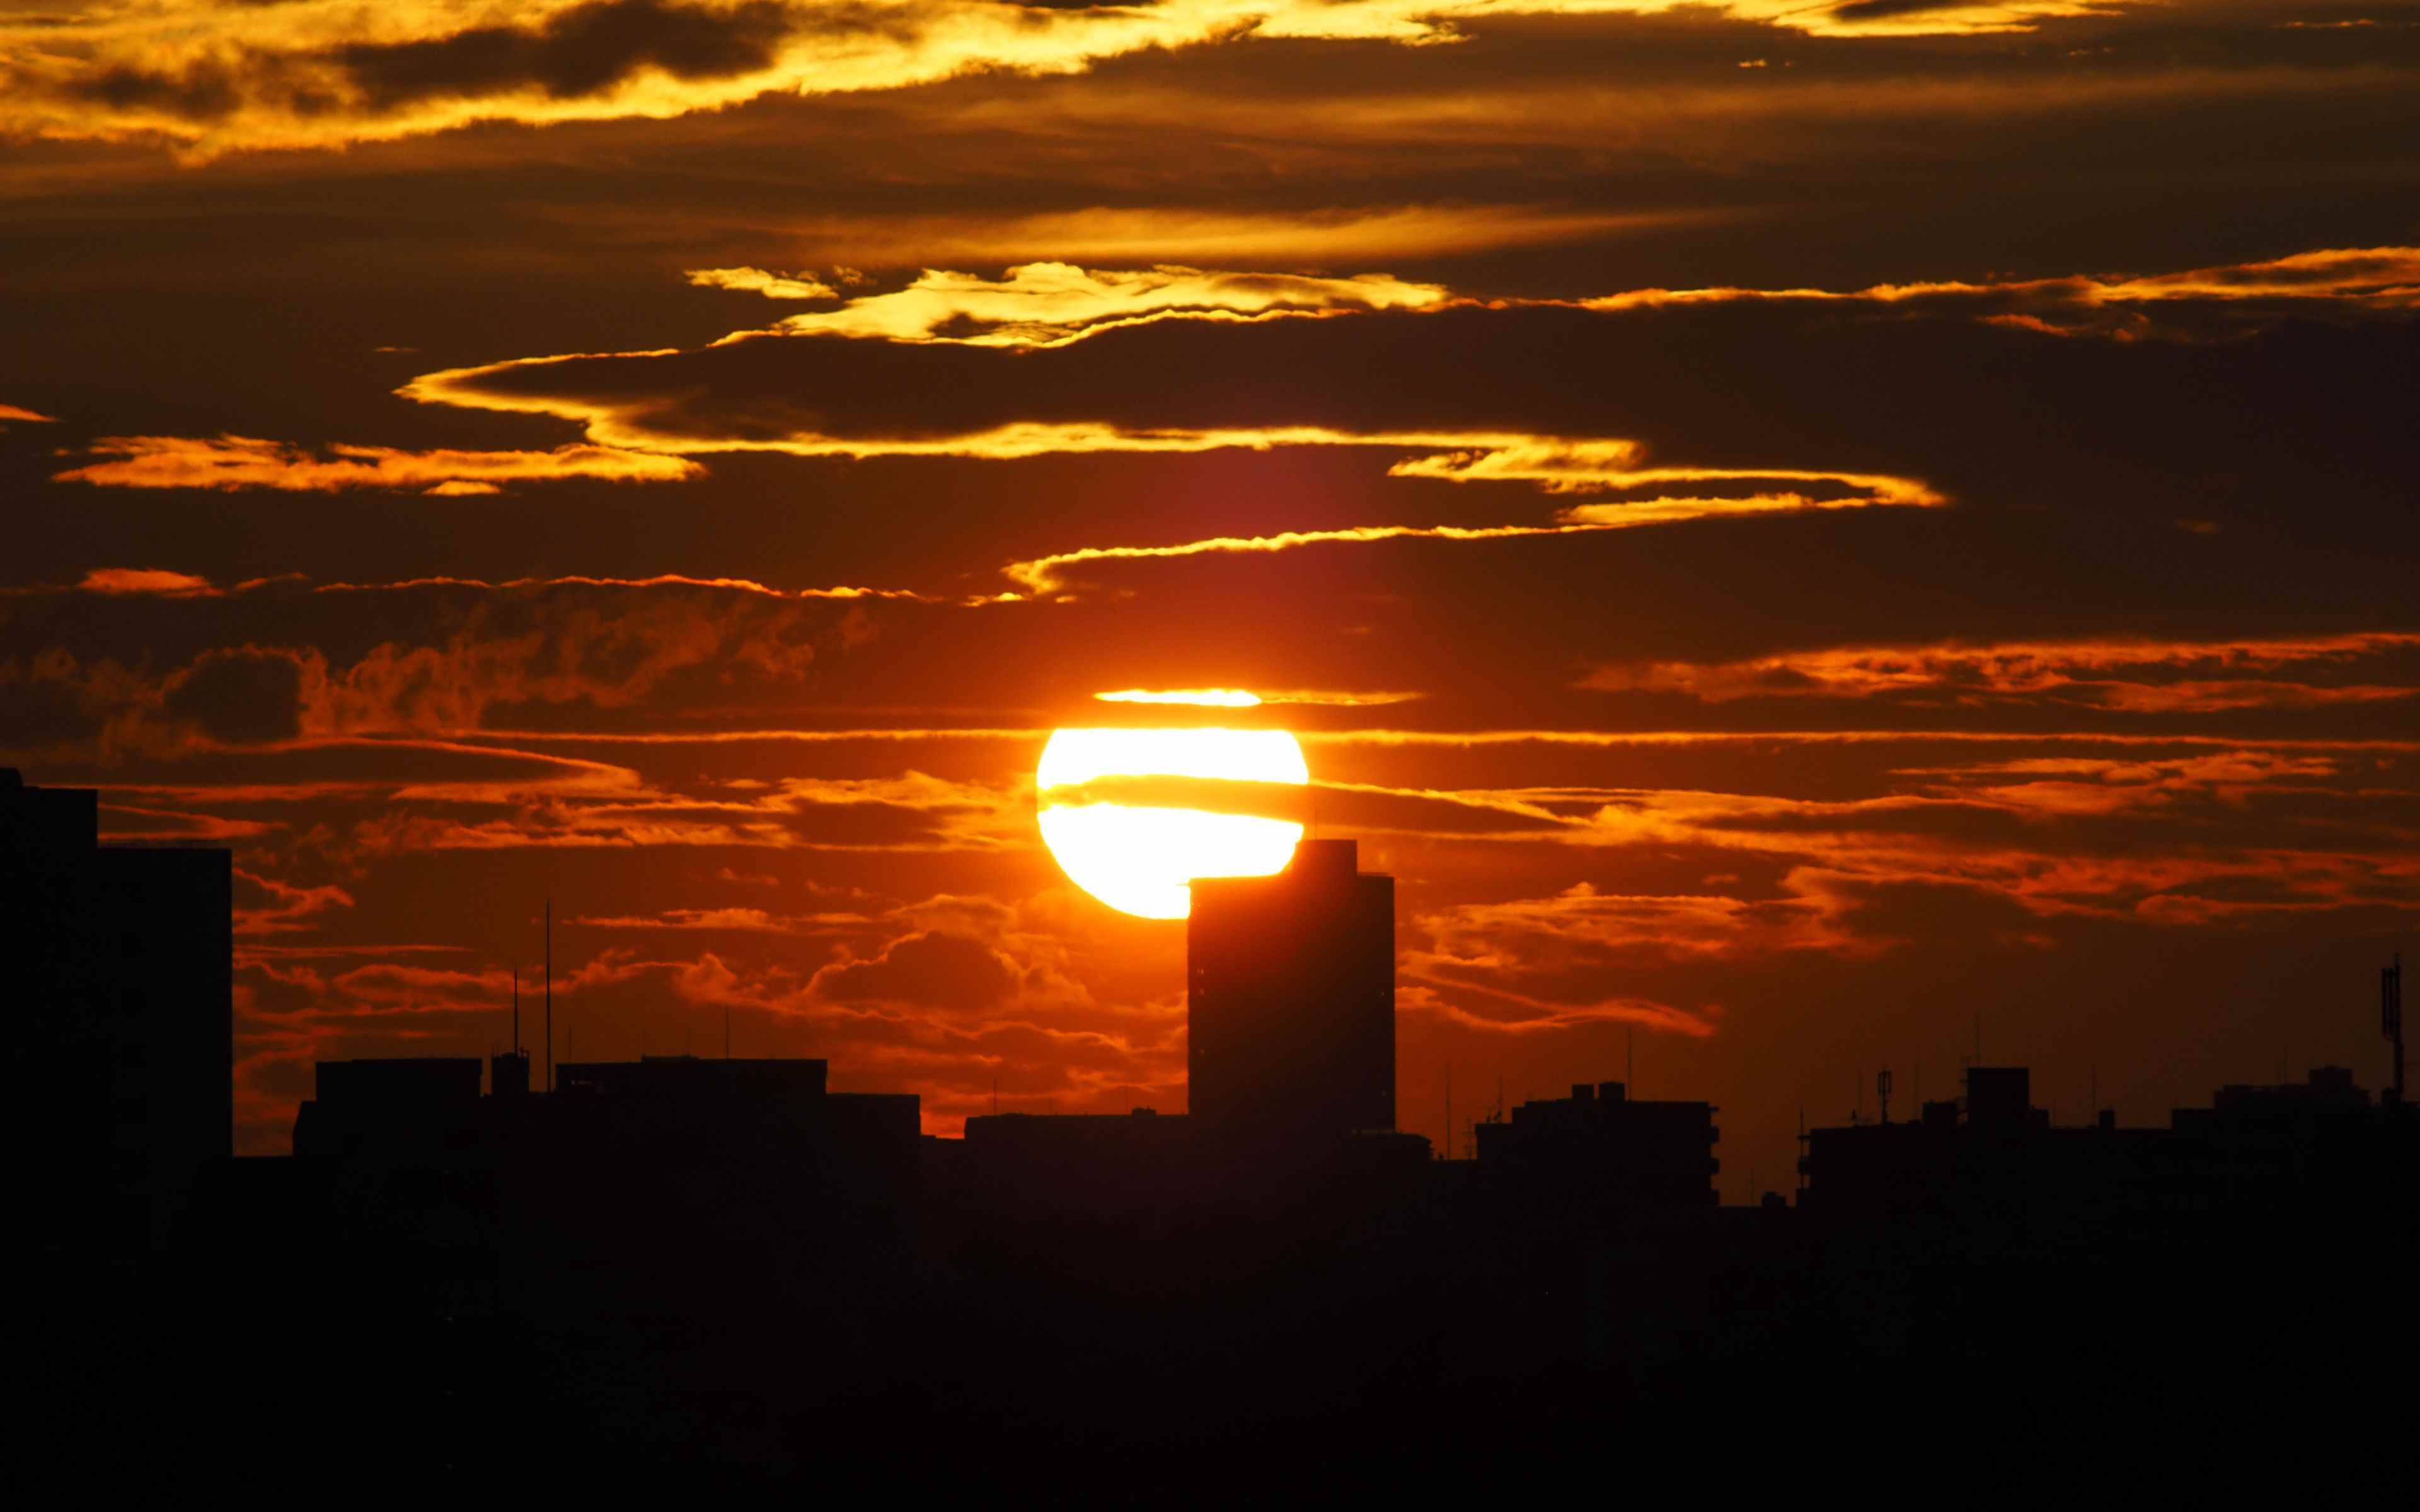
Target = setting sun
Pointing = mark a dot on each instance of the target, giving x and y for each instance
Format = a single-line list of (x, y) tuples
[(1132, 815)]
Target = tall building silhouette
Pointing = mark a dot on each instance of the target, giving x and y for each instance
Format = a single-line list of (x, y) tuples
[(1291, 999), (118, 971)]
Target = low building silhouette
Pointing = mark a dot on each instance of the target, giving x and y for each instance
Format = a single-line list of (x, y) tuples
[(1600, 1145), (120, 961), (1999, 1157)]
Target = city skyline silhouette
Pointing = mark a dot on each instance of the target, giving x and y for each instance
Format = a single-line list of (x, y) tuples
[(1209, 750), (1274, 1269)]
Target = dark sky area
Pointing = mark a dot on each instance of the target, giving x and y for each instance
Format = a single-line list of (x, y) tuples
[(1794, 528)]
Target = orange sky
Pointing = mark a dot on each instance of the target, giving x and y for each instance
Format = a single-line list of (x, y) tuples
[(1786, 529)]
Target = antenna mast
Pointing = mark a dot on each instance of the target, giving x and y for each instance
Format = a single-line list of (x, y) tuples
[(550, 994), (2390, 1016)]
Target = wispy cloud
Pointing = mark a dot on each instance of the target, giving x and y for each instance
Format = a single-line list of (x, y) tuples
[(2378, 278), (1562, 466), (217, 77), (2149, 676), (757, 281), (1050, 303), (246, 462)]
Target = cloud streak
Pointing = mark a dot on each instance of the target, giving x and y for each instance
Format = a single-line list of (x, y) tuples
[(2143, 676), (1559, 467), (233, 462), (217, 78)]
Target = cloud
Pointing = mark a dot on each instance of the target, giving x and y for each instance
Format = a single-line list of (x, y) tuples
[(218, 77), (2381, 279), (938, 970), (436, 658), (1052, 304), (1117, 236), (2143, 676), (247, 695), (144, 581), (1207, 698), (744, 921), (757, 281), (244, 462), (265, 905), (1560, 466), (1474, 1004), (13, 414)]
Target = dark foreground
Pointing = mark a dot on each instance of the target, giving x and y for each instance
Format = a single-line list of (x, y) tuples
[(1363, 1330)]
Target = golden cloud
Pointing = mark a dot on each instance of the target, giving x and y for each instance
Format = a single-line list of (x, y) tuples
[(318, 73), (2377, 278), (246, 462), (1147, 236), (1050, 303), (757, 281), (1559, 465), (1237, 698)]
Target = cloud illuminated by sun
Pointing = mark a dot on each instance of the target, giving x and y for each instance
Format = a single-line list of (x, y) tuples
[(1207, 698)]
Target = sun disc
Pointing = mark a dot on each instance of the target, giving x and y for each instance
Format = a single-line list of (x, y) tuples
[(1140, 858)]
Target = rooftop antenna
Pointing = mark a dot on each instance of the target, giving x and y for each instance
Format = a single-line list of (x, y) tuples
[(1448, 1110), (517, 1010), (2390, 1015), (549, 994), (1881, 1091), (1629, 1037), (726, 1030)]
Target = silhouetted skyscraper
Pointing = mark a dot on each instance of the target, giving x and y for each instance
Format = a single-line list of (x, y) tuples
[(1291, 998), (117, 968)]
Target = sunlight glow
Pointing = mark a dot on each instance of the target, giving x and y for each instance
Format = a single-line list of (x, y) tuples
[(1139, 860)]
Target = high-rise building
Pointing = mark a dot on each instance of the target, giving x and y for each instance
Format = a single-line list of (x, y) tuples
[(117, 971), (1291, 999)]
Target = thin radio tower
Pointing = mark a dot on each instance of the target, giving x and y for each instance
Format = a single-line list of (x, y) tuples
[(517, 1010), (1629, 1076), (1448, 1111), (550, 994)]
